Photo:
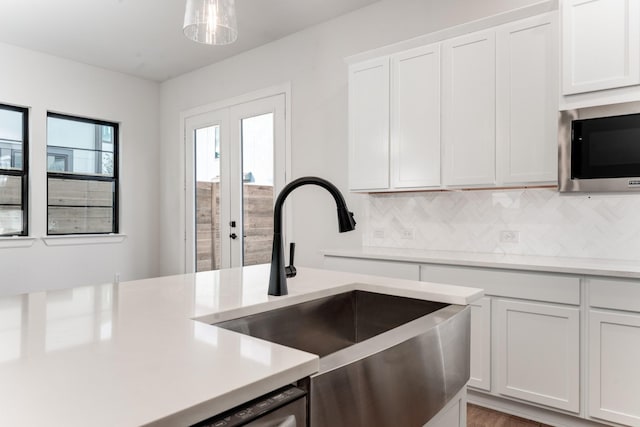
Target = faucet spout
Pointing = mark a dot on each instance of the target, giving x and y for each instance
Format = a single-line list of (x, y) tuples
[(346, 222)]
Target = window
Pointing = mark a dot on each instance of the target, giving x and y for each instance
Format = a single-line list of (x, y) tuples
[(82, 176), (14, 171)]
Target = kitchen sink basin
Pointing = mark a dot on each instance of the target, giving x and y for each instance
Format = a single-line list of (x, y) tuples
[(384, 360)]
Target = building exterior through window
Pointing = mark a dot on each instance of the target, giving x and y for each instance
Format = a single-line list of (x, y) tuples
[(82, 175)]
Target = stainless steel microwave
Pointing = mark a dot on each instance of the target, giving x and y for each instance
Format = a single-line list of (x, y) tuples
[(599, 148)]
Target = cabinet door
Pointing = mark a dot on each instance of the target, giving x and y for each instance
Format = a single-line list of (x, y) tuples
[(415, 118), (481, 344), (601, 46), (614, 372), (468, 102), (369, 125), (538, 357), (527, 100)]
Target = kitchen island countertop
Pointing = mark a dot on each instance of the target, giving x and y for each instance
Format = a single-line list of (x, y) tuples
[(144, 352)]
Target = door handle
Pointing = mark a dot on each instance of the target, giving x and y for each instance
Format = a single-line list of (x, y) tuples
[(234, 236)]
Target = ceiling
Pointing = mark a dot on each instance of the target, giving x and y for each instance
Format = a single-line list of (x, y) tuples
[(144, 37)]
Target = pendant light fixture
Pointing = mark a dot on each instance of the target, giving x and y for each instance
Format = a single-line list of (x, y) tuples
[(211, 21)]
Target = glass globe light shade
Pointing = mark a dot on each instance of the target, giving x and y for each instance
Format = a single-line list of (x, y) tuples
[(211, 21)]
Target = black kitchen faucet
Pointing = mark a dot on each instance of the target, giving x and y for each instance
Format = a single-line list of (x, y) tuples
[(346, 222)]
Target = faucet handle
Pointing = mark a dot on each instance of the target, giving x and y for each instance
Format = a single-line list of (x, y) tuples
[(290, 270)]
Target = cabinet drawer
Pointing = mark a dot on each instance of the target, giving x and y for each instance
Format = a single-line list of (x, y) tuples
[(506, 283), (618, 294), (398, 270)]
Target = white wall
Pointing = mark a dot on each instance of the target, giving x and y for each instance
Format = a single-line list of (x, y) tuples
[(313, 62), (46, 83)]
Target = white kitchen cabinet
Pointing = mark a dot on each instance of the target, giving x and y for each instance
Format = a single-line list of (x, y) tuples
[(481, 344), (527, 101), (394, 121), (415, 118), (614, 375), (511, 284), (614, 350), (600, 44), (479, 110), (468, 108), (538, 352), (369, 125)]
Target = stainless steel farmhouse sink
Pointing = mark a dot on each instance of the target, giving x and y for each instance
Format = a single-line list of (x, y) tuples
[(384, 360)]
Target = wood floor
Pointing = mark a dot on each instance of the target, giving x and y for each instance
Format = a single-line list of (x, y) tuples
[(482, 417)]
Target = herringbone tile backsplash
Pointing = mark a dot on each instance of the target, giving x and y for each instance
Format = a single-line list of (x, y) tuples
[(547, 223)]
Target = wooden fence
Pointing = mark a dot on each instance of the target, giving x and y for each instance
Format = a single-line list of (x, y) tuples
[(258, 228)]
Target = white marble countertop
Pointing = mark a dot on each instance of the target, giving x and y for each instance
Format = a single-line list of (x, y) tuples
[(132, 354), (582, 266)]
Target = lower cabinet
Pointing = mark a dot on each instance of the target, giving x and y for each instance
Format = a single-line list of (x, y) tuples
[(613, 373), (481, 344), (538, 352), (614, 367)]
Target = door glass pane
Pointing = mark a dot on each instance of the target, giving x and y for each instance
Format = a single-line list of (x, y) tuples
[(207, 164), (257, 188)]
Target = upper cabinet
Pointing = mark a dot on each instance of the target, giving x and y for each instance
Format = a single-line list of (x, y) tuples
[(468, 101), (415, 118), (394, 121), (526, 101), (478, 110), (369, 125), (600, 44)]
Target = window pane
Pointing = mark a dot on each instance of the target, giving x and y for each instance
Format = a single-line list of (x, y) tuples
[(10, 205), (80, 206), (11, 125), (79, 147), (10, 190), (10, 220), (11, 139), (10, 155)]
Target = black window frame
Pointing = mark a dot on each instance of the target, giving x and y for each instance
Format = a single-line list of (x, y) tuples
[(24, 172), (115, 179)]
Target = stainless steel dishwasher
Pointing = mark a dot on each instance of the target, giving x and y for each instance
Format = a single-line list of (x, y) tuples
[(286, 407)]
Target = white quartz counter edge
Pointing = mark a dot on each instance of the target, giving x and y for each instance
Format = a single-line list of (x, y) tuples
[(580, 266)]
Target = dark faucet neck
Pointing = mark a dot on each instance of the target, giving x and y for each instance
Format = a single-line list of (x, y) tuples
[(306, 180), (277, 279)]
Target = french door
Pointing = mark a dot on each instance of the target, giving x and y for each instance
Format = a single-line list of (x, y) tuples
[(235, 166)]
